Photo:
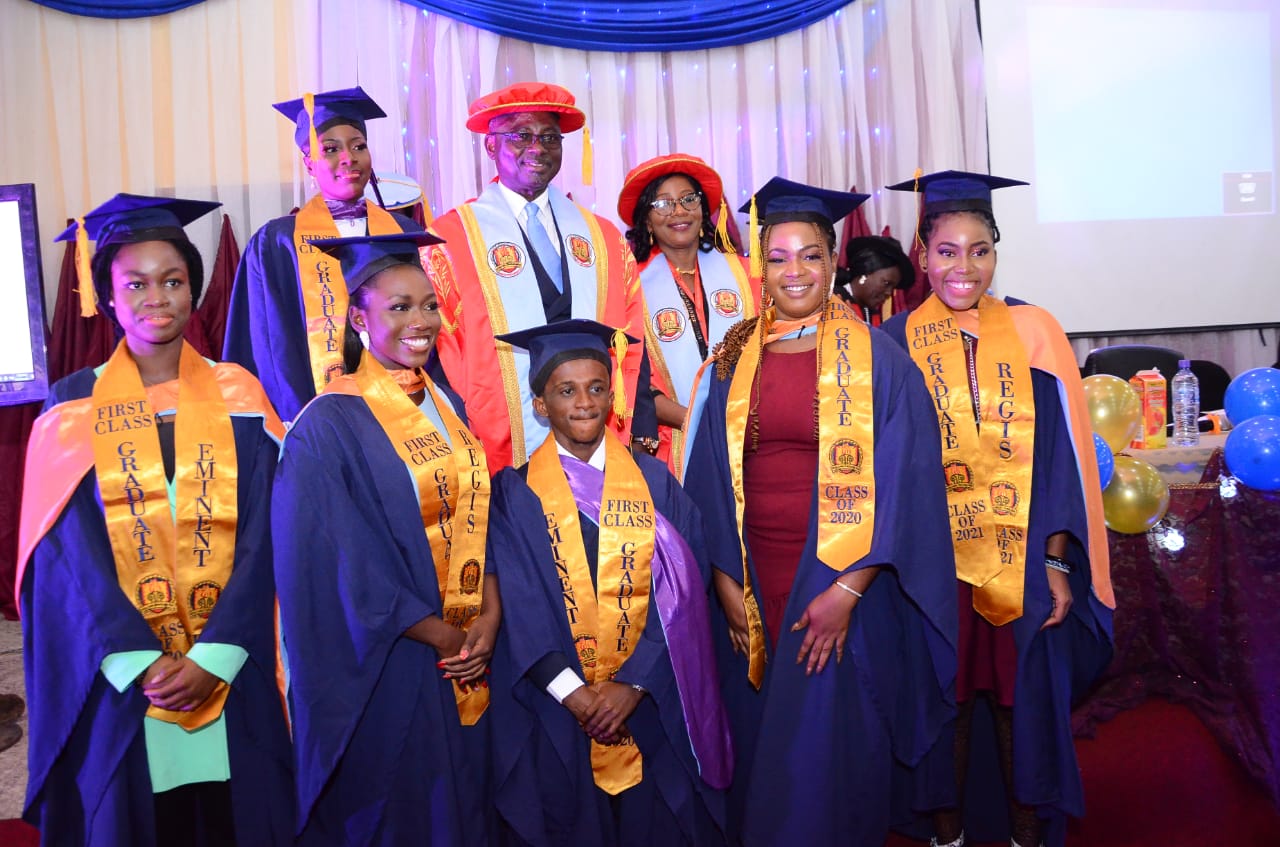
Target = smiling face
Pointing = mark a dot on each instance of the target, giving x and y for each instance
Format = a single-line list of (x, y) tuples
[(797, 270), (576, 403), (344, 165), (151, 294), (397, 307), (680, 229), (527, 169), (960, 260)]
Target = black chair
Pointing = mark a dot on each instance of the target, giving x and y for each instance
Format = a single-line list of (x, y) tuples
[(1125, 360), (1214, 380)]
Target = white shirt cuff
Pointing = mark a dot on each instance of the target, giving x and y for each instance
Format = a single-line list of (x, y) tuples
[(565, 683)]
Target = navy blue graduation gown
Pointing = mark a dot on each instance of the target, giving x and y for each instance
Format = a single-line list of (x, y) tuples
[(266, 321), (381, 755), (818, 757), (1055, 666), (89, 781), (543, 786)]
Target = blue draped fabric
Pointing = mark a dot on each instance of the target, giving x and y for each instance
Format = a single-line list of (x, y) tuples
[(118, 8), (637, 25), (618, 25)]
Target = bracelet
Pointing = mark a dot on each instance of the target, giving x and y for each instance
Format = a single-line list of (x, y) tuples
[(854, 592), (649, 445), (638, 688), (1058, 564)]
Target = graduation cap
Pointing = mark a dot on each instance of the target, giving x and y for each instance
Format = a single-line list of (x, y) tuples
[(363, 256), (553, 344), (780, 200), (526, 97), (314, 113), (522, 97), (128, 219), (955, 191)]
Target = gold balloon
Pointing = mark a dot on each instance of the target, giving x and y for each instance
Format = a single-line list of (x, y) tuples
[(1114, 409), (1137, 497)]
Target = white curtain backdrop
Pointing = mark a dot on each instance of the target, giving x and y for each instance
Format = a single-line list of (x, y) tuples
[(180, 104)]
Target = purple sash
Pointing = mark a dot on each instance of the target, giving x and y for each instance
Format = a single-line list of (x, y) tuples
[(682, 608)]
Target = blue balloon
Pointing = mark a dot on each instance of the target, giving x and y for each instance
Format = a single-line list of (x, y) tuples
[(1106, 461), (1253, 452), (1254, 392)]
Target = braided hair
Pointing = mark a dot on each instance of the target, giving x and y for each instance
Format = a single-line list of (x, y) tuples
[(729, 351)]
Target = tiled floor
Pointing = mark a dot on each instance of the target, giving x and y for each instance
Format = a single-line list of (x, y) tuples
[(13, 762)]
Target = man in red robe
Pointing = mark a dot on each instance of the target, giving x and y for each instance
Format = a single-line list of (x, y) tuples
[(521, 255)]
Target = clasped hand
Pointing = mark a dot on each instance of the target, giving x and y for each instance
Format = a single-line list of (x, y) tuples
[(468, 654), (179, 685), (602, 709)]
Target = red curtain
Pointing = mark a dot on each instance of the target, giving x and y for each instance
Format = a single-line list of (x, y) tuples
[(74, 343), (212, 315)]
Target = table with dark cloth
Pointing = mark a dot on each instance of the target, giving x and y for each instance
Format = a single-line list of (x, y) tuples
[(1201, 626)]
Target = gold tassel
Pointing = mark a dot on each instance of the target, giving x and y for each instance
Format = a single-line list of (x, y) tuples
[(309, 103), (619, 387), (722, 229), (753, 225), (84, 273), (588, 164), (427, 215), (919, 207)]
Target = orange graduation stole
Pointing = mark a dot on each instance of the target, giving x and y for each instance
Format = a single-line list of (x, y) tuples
[(172, 565), (846, 448), (452, 482), (606, 621), (324, 292), (988, 466)]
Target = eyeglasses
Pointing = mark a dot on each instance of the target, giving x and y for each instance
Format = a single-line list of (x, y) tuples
[(521, 140), (691, 201)]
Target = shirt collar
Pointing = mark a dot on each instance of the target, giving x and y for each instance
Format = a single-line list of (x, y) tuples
[(597, 458), (517, 203)]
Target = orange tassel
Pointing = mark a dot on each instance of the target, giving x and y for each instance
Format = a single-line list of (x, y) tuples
[(920, 207), (724, 245), (619, 386), (309, 103), (588, 161), (753, 224), (84, 273)]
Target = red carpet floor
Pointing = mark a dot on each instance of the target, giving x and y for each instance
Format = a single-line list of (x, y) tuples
[(1153, 777)]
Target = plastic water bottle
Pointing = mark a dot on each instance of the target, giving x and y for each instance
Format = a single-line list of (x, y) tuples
[(1186, 406)]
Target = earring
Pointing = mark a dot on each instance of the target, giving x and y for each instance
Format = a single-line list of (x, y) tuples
[(363, 335), (862, 280)]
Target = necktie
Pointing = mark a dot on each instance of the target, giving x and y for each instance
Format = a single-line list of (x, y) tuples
[(542, 246)]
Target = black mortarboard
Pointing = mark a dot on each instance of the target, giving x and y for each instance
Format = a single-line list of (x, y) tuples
[(363, 256), (779, 198), (955, 191), (347, 105), (128, 219), (553, 344)]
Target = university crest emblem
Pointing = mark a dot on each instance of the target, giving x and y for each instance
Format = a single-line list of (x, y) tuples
[(203, 597), (586, 646), (726, 302), (580, 250), (1004, 498), (958, 475), (845, 456), (506, 259), (155, 594), (668, 324), (469, 579)]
